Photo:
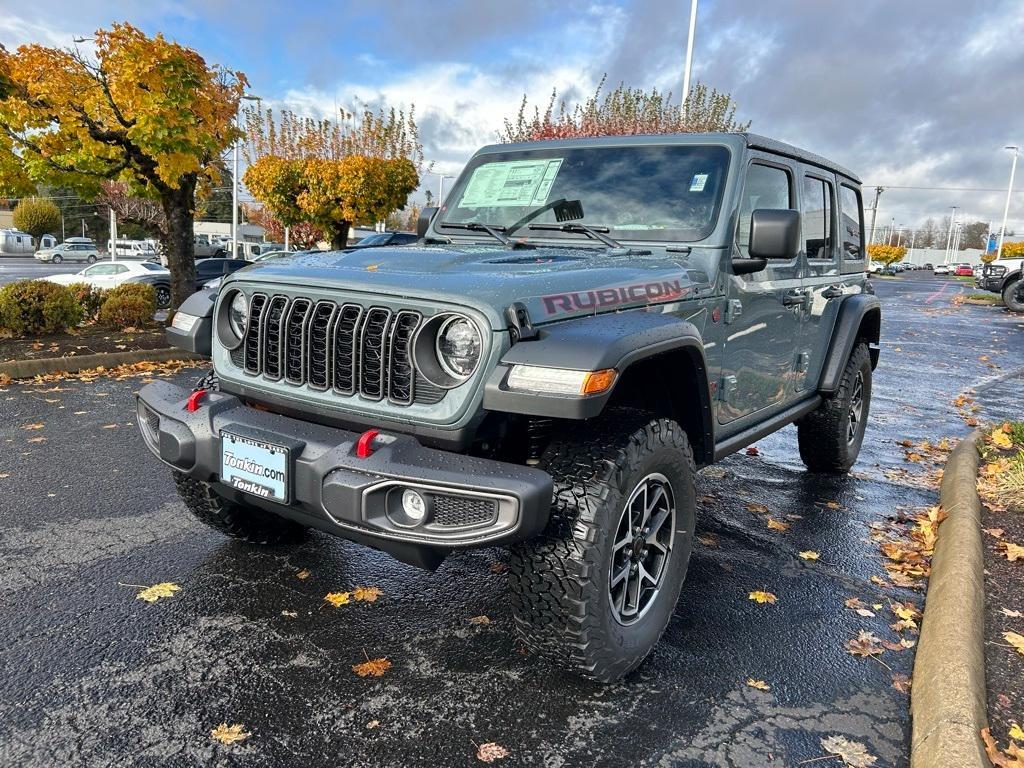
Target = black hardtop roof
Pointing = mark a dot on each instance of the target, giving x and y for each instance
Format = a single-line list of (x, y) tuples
[(752, 140)]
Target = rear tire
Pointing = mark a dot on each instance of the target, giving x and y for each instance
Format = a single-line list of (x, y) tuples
[(90, 259), (1013, 295), (575, 603), (239, 521), (163, 296), (830, 436)]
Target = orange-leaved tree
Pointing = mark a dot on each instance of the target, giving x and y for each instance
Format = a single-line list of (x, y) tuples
[(301, 235), (886, 254), (144, 111), (626, 111), (332, 174)]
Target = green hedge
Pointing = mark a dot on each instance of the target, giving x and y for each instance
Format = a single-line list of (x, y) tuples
[(128, 306), (38, 307)]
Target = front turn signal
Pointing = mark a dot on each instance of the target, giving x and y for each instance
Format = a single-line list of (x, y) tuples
[(597, 382)]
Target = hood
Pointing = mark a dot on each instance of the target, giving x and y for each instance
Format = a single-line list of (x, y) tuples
[(553, 283)]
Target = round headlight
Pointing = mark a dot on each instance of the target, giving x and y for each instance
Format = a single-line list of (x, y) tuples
[(458, 347), (238, 314)]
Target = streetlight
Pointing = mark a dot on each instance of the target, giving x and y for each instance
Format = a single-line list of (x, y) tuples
[(1009, 191), (949, 236), (689, 51), (234, 185), (440, 188)]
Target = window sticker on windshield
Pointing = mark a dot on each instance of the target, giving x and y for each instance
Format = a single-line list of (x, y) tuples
[(698, 182), (514, 183)]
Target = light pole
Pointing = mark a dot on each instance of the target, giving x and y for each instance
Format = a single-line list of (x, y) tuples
[(1009, 191), (689, 52), (949, 236), (234, 184), (874, 213), (440, 187)]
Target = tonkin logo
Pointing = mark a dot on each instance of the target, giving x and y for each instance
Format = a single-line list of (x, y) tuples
[(605, 298)]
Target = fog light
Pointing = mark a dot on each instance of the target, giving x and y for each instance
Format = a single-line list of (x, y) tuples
[(414, 505)]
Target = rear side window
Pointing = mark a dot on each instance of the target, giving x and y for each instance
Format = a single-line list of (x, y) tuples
[(817, 218), (851, 223), (766, 187)]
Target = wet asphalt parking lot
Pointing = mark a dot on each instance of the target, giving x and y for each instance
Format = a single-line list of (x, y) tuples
[(90, 675)]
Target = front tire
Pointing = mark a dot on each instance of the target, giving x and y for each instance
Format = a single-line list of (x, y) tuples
[(1013, 295), (56, 259), (595, 591), (239, 521), (830, 436), (163, 296)]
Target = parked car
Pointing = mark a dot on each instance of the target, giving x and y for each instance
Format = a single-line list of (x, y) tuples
[(211, 269), (941, 269), (380, 239), (927, 265), (110, 274), (963, 270), (249, 251), (556, 400), (205, 247), (891, 270), (214, 284), (72, 249), (134, 249), (1005, 277)]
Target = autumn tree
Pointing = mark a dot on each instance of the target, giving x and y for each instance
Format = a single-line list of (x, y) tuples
[(37, 216), (143, 111), (302, 235), (625, 111), (332, 173), (886, 254)]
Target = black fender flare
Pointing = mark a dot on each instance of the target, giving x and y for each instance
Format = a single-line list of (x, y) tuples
[(1009, 279), (593, 343), (853, 313), (199, 338)]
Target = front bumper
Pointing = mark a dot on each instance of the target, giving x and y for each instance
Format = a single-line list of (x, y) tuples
[(471, 502)]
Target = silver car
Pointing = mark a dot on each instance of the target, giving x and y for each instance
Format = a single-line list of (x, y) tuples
[(72, 249)]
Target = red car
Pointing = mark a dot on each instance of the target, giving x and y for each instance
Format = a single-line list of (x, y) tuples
[(964, 270)]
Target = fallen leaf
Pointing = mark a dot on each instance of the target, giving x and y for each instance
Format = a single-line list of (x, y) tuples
[(865, 644), (775, 525), (996, 533), (833, 505), (865, 613), (290, 614), (708, 540), (755, 507), (337, 599), (761, 685), (109, 426), (1016, 732), (1017, 641), (1013, 757), (1011, 614), (1011, 552), (498, 568), (229, 734), (372, 667), (809, 554), (489, 752), (479, 620), (855, 603), (759, 596), (901, 683), (36, 440), (752, 451), (366, 594), (303, 574), (372, 267), (154, 593), (853, 753), (33, 426), (373, 724)]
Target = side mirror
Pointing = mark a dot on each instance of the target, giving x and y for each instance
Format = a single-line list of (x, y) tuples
[(774, 234), (423, 222)]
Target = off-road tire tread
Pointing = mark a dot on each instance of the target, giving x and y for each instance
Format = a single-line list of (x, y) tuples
[(555, 591), (1008, 295), (245, 523), (821, 434)]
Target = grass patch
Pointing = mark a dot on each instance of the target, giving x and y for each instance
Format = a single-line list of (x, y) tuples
[(1001, 477)]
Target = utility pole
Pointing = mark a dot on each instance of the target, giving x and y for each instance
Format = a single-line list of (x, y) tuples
[(113, 235), (689, 52), (1009, 191), (874, 213), (949, 235), (892, 231), (913, 239)]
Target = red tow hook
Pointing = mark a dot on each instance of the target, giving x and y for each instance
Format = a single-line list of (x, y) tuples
[(364, 447), (193, 400)]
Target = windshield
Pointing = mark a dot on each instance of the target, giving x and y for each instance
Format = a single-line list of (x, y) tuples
[(152, 267), (668, 193), (381, 238)]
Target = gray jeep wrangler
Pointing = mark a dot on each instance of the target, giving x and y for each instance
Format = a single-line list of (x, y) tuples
[(582, 326)]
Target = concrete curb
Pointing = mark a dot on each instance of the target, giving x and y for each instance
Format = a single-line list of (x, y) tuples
[(26, 369), (948, 697)]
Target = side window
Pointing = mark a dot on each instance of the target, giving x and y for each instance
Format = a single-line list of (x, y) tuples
[(851, 225), (817, 219), (766, 187), (120, 269)]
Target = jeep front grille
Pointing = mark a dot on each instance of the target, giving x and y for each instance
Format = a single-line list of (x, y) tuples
[(345, 348)]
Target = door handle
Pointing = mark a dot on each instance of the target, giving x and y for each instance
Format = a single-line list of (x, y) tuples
[(794, 298), (832, 292)]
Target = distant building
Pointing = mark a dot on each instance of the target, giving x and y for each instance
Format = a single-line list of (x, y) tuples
[(250, 233)]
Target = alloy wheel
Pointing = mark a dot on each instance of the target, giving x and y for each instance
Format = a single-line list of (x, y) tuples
[(643, 545), (856, 408)]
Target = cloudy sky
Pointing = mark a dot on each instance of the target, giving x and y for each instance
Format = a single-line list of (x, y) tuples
[(919, 94)]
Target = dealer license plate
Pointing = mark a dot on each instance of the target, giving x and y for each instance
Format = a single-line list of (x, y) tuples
[(255, 466)]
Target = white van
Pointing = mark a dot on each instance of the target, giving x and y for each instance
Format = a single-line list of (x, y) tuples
[(133, 249)]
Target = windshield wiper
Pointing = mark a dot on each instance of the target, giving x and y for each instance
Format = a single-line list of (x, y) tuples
[(594, 233), (498, 233)]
